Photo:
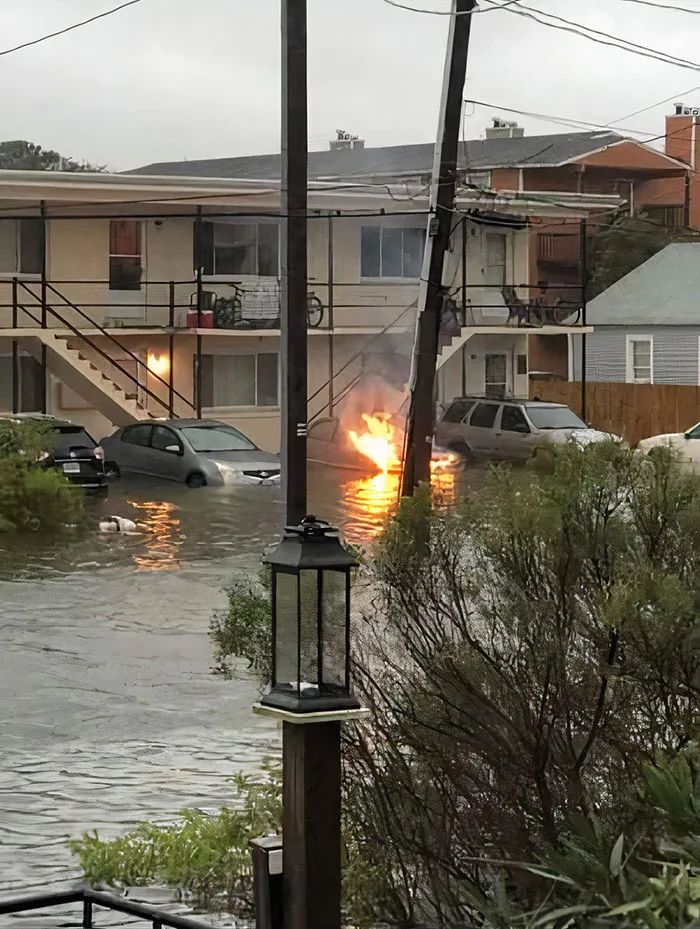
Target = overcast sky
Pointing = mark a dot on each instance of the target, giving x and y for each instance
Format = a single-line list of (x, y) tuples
[(171, 79)]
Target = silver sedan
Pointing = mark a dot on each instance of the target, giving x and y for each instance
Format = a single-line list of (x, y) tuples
[(196, 452)]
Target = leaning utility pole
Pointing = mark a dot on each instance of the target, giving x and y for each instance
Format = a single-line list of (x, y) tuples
[(419, 429), (293, 248)]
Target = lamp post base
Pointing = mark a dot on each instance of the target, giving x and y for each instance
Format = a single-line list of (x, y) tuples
[(311, 825)]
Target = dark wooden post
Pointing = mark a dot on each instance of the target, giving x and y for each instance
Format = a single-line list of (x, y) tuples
[(331, 319), (294, 298), (44, 310), (15, 352), (311, 829), (171, 348), (584, 307)]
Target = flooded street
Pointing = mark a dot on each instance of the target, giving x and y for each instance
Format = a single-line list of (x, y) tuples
[(110, 714)]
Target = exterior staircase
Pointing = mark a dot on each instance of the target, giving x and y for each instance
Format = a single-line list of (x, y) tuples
[(84, 377), (453, 345)]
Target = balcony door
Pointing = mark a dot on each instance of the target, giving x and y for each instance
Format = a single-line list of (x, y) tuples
[(127, 294)]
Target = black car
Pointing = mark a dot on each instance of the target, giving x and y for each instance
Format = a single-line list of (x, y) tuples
[(74, 452)]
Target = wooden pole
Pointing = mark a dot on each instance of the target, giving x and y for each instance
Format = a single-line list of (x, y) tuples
[(419, 429)]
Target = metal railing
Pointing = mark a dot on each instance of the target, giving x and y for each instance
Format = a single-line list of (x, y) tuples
[(562, 248), (94, 898)]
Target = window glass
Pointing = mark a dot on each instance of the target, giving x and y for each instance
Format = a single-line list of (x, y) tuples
[(641, 361), (484, 415), (495, 367), (458, 411), (554, 417), (694, 433), (371, 265), (8, 247), (521, 364), (268, 249), (71, 436), (267, 379), (31, 246), (413, 240), (391, 251), (125, 254), (240, 249), (137, 435), (495, 259), (513, 420), (218, 438), (162, 437)]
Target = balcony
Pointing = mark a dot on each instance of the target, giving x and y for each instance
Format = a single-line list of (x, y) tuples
[(559, 248)]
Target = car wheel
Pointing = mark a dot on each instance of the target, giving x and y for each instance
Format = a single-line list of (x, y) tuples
[(196, 480), (463, 450), (112, 470)]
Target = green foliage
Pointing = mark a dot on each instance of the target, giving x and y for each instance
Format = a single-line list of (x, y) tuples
[(19, 155), (32, 497), (204, 854), (244, 629)]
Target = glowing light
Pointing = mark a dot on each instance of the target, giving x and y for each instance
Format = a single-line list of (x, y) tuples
[(158, 364), (379, 442)]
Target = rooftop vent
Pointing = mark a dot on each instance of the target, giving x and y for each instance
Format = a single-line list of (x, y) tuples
[(345, 141), (683, 110), (504, 129)]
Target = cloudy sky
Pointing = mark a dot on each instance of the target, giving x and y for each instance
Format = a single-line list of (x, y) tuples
[(173, 79)]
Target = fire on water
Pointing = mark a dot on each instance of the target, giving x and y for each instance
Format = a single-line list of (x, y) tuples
[(382, 443)]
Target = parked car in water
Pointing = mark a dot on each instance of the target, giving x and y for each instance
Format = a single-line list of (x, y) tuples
[(686, 444), (196, 452), (510, 429), (73, 451)]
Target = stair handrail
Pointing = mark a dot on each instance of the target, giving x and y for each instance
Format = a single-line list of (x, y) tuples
[(108, 335), (96, 348)]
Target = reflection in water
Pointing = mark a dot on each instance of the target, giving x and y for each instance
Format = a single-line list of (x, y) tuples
[(162, 536)]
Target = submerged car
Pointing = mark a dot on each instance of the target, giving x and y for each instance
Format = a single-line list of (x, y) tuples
[(196, 452), (686, 444), (72, 450), (511, 429)]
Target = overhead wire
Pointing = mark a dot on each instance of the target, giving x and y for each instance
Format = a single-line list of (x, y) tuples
[(58, 32)]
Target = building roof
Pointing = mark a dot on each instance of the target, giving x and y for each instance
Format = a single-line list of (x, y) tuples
[(661, 292), (401, 160)]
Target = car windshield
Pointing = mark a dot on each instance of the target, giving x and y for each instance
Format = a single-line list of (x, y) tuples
[(216, 439), (554, 417), (72, 436)]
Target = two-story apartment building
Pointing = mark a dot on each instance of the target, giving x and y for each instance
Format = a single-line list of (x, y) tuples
[(124, 297)]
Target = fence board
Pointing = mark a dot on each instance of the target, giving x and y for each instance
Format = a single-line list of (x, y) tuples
[(634, 411)]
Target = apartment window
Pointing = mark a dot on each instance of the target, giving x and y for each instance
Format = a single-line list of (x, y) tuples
[(495, 368), (392, 251), (240, 380), (484, 415), (21, 246), (496, 259), (478, 178), (125, 254), (239, 249), (521, 365), (640, 360)]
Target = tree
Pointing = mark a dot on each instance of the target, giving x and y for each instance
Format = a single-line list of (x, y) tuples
[(20, 155)]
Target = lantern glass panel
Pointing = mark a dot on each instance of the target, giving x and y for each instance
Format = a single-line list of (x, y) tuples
[(334, 627), (286, 642), (308, 589)]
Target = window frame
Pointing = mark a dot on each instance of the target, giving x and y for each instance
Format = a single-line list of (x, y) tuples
[(631, 341), (18, 272), (176, 440), (214, 276), (491, 404), (390, 278), (241, 354), (129, 257), (514, 406), (132, 428)]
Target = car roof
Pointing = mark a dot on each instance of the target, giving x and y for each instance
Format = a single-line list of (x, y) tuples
[(180, 423), (541, 404)]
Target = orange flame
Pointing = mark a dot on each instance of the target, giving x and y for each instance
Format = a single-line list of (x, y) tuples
[(379, 442)]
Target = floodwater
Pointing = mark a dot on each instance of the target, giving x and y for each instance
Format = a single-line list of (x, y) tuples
[(109, 713)]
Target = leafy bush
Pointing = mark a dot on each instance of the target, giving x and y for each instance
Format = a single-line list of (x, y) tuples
[(243, 630), (204, 854), (32, 497)]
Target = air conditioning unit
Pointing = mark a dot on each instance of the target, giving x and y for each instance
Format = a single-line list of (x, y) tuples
[(683, 110)]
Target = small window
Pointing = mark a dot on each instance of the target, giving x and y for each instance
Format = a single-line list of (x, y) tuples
[(640, 363), (138, 434), (162, 438), (521, 364), (240, 249), (391, 251), (496, 259), (125, 254), (513, 420), (495, 375), (240, 380), (21, 246), (457, 412), (484, 415)]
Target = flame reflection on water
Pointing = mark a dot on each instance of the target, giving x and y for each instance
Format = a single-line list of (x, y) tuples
[(161, 538)]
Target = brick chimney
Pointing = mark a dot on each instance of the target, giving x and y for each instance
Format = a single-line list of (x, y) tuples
[(683, 134)]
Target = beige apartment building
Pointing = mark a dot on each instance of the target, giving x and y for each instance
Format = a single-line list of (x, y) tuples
[(126, 297)]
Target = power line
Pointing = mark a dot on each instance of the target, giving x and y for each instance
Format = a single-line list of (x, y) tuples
[(664, 6), (417, 9), (589, 33), (558, 120), (85, 22), (678, 96)]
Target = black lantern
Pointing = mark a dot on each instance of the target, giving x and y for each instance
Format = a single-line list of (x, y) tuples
[(311, 621)]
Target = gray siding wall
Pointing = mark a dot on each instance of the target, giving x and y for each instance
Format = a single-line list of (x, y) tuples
[(675, 353)]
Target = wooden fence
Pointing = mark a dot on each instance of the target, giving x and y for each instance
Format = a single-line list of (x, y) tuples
[(634, 411)]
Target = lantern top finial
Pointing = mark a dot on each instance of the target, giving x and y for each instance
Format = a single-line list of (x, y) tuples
[(314, 543)]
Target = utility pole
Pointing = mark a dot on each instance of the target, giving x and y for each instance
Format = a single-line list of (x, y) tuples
[(293, 242), (584, 313), (430, 297)]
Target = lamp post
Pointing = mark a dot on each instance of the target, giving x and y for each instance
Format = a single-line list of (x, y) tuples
[(311, 695)]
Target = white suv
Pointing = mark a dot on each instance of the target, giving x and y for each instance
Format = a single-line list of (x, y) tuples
[(510, 429)]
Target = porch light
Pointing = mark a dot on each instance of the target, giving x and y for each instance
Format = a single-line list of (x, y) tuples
[(158, 364), (310, 621)]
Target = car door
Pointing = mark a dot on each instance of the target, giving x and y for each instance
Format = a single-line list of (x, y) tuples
[(131, 452), (165, 455), (513, 437), (480, 432)]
